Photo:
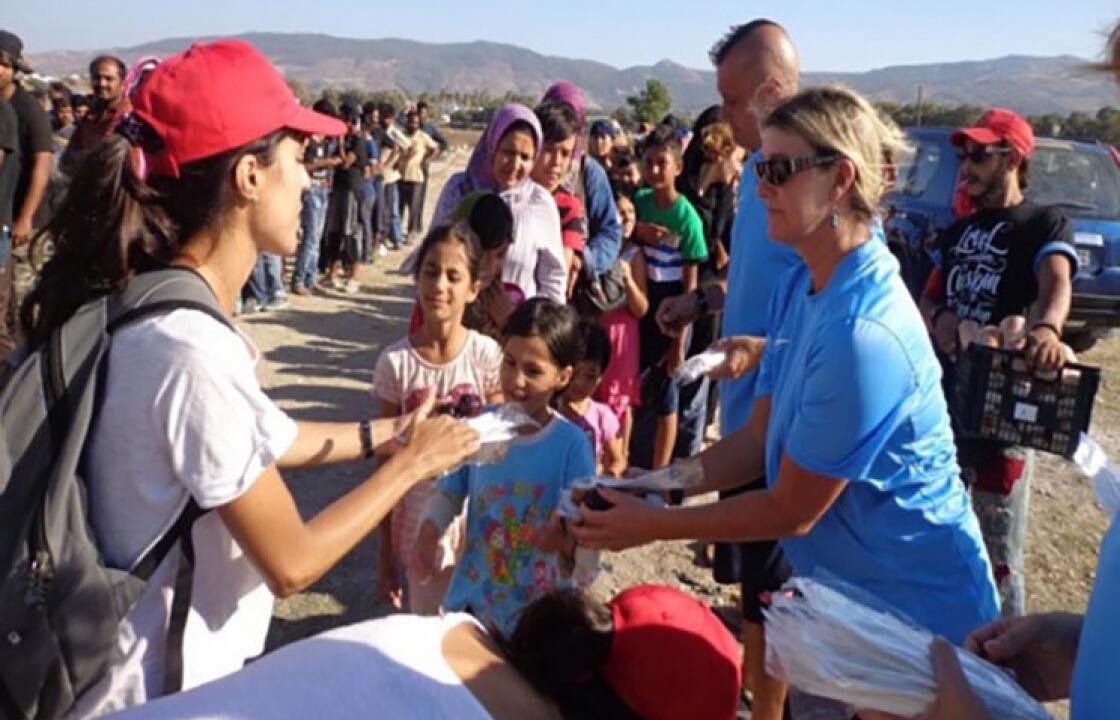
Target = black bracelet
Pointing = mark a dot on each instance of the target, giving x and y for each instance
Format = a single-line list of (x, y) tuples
[(1050, 326), (702, 305), (366, 435)]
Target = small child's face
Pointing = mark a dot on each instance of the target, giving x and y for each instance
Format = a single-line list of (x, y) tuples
[(627, 215), (553, 163), (530, 375), (585, 379), (660, 167), (444, 285)]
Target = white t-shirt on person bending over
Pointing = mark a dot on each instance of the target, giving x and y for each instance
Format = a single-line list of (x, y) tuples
[(393, 667), (183, 414)]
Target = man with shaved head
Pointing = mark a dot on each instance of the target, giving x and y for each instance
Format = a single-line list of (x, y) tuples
[(756, 67)]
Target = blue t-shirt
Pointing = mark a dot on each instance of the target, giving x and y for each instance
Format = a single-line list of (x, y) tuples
[(855, 394), (501, 571), (1096, 674), (757, 263)]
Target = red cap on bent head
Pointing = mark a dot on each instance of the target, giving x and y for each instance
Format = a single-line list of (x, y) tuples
[(216, 97), (671, 657), (998, 125)]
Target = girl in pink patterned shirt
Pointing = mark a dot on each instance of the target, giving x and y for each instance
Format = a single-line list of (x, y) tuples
[(457, 364)]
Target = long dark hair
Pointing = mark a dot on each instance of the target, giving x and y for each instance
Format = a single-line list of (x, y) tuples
[(111, 223), (559, 645), (558, 325), (460, 232)]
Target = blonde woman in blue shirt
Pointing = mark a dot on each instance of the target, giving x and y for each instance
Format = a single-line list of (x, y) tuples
[(849, 422)]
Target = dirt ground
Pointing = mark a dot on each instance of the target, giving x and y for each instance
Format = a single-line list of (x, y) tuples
[(317, 363)]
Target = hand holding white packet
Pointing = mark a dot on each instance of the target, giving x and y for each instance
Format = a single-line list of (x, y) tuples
[(678, 476), (699, 365), (827, 645), (496, 428)]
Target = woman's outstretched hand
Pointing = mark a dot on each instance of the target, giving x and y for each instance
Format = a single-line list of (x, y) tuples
[(630, 522)]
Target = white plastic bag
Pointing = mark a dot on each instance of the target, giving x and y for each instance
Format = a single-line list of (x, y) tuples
[(825, 644), (699, 365), (1090, 458), (496, 429)]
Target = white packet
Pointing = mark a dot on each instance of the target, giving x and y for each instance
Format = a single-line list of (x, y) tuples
[(569, 508), (496, 429), (827, 645), (1091, 459), (699, 365)]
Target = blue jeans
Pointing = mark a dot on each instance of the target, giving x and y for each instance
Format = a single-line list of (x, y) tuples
[(389, 214), (266, 283), (313, 218), (366, 210)]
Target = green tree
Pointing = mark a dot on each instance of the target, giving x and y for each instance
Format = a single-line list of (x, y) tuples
[(652, 103)]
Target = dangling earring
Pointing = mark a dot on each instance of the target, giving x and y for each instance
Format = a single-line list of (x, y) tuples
[(834, 219)]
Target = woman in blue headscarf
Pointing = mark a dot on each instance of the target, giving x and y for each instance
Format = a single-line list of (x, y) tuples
[(501, 163)]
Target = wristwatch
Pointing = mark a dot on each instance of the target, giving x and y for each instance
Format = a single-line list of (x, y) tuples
[(702, 306)]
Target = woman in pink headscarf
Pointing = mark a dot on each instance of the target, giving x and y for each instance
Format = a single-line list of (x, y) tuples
[(501, 163)]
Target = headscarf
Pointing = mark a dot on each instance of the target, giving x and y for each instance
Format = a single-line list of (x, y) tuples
[(566, 92), (480, 168)]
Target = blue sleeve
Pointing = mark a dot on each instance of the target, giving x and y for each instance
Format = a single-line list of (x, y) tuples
[(581, 458), (1056, 233), (604, 231), (857, 383), (775, 311), (456, 484)]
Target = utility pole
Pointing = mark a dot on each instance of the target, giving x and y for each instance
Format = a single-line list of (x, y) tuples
[(919, 119)]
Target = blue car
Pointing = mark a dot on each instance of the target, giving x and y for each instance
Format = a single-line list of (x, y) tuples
[(1083, 179)]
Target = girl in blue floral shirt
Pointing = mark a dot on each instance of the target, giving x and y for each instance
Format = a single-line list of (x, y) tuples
[(514, 552)]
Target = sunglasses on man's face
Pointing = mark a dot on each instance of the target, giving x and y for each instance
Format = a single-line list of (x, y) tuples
[(778, 171), (979, 155)]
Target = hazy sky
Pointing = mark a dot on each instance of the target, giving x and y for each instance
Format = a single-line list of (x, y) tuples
[(837, 35)]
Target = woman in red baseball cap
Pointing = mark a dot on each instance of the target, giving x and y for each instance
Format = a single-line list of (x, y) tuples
[(650, 653), (204, 175)]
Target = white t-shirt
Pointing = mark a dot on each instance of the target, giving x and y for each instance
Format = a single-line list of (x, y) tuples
[(404, 378), (388, 668), (182, 413)]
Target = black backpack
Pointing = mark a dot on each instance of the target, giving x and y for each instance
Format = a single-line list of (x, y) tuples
[(60, 604)]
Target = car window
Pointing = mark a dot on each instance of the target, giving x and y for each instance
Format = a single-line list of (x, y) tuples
[(1083, 183), (921, 169)]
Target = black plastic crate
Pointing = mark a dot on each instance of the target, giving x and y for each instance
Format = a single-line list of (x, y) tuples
[(997, 396)]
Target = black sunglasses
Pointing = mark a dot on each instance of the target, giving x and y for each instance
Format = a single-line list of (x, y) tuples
[(980, 154), (777, 171)]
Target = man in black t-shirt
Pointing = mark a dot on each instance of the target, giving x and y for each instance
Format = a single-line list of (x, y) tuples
[(343, 236), (1008, 258), (32, 173)]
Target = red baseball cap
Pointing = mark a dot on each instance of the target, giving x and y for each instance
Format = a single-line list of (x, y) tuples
[(671, 657), (998, 125), (216, 97)]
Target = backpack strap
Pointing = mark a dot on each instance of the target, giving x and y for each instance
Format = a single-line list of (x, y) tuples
[(161, 291), (147, 295), (180, 602)]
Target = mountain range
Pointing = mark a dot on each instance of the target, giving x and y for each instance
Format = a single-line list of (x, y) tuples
[(1025, 83)]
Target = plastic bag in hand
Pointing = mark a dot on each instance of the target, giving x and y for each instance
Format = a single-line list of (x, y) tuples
[(496, 429), (824, 643), (699, 365)]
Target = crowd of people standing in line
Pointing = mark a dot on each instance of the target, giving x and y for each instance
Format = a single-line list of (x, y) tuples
[(572, 282)]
